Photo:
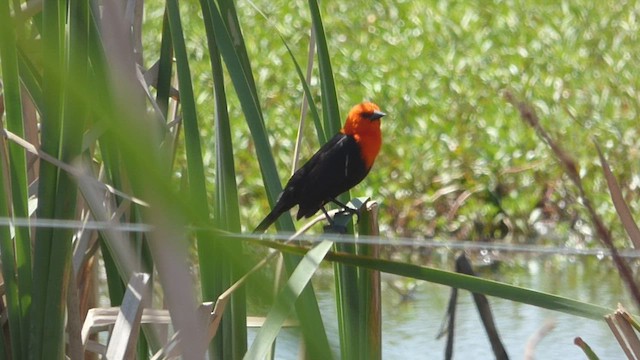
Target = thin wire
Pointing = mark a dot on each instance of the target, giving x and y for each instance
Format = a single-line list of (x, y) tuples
[(490, 248), (76, 224), (448, 244)]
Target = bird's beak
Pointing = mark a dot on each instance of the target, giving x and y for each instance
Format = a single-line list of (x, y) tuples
[(377, 115)]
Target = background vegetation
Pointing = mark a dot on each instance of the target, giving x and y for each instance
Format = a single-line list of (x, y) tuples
[(455, 152)]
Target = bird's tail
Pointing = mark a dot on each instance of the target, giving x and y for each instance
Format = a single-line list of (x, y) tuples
[(270, 219), (284, 204)]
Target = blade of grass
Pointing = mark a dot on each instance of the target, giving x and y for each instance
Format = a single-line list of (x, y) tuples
[(9, 269), (588, 352), (217, 271), (244, 85), (306, 102), (304, 79), (345, 277), (75, 113), (347, 292), (74, 76), (227, 215), (212, 265), (618, 201), (17, 259), (31, 79), (195, 167), (330, 108), (461, 281), (165, 66), (322, 138), (307, 306), (45, 273), (286, 299)]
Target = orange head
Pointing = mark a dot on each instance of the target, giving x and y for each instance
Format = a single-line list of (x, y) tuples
[(363, 123)]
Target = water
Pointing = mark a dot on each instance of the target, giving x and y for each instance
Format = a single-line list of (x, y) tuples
[(410, 325), (410, 331)]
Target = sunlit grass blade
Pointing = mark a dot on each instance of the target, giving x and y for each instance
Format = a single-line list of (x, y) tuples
[(195, 167), (213, 277), (286, 299), (322, 136), (330, 108), (466, 282), (320, 132)]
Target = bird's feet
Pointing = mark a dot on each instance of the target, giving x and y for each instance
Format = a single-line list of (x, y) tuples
[(347, 210), (338, 227)]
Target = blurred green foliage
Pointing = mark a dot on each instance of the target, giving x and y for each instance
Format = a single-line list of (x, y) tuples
[(457, 160)]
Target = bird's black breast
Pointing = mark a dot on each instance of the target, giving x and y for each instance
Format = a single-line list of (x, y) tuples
[(335, 168)]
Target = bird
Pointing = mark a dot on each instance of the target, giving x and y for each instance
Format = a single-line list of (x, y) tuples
[(340, 164)]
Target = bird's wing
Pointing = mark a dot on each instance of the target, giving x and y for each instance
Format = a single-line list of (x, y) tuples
[(332, 170), (302, 185)]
